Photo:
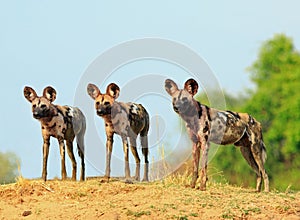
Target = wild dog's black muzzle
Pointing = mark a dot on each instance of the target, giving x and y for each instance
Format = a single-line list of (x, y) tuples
[(176, 109), (36, 115), (103, 111), (40, 113)]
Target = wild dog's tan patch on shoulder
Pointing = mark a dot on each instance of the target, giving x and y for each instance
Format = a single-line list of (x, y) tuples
[(244, 116)]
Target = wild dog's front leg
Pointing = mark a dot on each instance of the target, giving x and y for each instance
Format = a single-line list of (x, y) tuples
[(45, 156), (109, 146), (62, 158), (196, 157), (204, 159)]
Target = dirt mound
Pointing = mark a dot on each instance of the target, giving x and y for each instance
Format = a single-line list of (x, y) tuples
[(168, 199)]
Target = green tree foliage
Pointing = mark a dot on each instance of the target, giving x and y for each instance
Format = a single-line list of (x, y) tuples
[(8, 167), (275, 103)]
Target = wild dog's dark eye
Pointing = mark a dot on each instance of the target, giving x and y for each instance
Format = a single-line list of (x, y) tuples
[(97, 103), (174, 99), (43, 106), (184, 99), (34, 105), (106, 103)]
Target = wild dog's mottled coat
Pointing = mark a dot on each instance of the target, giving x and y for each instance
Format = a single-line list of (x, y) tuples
[(62, 122), (206, 125), (125, 119)]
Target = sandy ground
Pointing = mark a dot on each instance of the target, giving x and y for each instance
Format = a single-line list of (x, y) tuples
[(92, 199)]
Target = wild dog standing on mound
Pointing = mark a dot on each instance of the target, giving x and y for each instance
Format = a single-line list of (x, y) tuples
[(206, 125), (62, 122), (125, 119)]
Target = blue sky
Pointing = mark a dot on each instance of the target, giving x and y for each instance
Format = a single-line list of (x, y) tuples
[(54, 42)]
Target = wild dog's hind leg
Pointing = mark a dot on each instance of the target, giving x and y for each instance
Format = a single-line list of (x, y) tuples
[(258, 152), (136, 156), (145, 148), (255, 156), (264, 174), (72, 157), (79, 130), (145, 151), (245, 147), (80, 147), (247, 154)]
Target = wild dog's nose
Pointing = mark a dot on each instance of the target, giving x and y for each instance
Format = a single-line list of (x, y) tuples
[(175, 108), (36, 114), (100, 112)]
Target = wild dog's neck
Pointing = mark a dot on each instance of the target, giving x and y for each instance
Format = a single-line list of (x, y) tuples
[(192, 112), (107, 118), (53, 111), (192, 116)]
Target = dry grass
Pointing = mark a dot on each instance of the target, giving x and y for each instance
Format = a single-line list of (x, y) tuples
[(170, 198), (166, 199)]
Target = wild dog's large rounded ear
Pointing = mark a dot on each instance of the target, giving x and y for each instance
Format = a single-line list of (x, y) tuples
[(29, 93), (93, 91), (113, 90), (170, 86), (191, 86), (49, 93)]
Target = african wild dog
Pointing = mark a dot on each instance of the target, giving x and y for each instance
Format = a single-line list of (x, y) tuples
[(61, 122), (206, 125), (125, 119)]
